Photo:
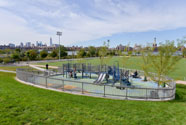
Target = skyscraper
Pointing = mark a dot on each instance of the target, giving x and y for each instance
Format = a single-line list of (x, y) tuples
[(51, 41)]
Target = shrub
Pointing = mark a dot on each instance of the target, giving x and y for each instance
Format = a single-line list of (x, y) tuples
[(43, 54), (6, 60), (1, 60)]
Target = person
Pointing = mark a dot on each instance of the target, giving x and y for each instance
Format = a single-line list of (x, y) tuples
[(46, 66), (135, 74), (107, 77), (70, 74)]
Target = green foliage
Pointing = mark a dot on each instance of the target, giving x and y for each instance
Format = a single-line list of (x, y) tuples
[(15, 56), (91, 51), (7, 60), (163, 63), (2, 51), (17, 50), (1, 60), (22, 104), (125, 55), (43, 54), (103, 51), (184, 52), (31, 54), (53, 54), (82, 53), (63, 53)]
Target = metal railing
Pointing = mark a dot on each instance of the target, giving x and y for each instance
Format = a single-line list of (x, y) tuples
[(91, 89)]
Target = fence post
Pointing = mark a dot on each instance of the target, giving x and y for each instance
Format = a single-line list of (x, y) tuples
[(63, 85), (34, 79), (82, 88), (46, 82), (146, 94), (104, 91), (126, 93)]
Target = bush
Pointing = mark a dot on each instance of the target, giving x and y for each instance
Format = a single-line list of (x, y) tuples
[(43, 54), (7, 60), (15, 56), (1, 60), (53, 54)]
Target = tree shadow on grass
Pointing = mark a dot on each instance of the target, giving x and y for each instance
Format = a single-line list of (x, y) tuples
[(180, 95)]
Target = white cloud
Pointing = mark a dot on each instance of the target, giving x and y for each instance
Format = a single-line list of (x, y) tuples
[(38, 20)]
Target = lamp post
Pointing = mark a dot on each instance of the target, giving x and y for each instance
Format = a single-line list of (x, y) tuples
[(59, 34)]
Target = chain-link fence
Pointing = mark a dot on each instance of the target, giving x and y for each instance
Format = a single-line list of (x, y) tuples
[(98, 90)]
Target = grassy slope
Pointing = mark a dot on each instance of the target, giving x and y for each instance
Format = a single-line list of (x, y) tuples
[(12, 68), (22, 104), (135, 63)]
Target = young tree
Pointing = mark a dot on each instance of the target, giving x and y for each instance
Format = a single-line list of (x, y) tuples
[(146, 61), (103, 53), (125, 56), (162, 63)]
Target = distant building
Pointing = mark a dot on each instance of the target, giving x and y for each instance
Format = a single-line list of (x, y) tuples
[(122, 48), (11, 45), (51, 44), (28, 44), (21, 45), (39, 43), (155, 46)]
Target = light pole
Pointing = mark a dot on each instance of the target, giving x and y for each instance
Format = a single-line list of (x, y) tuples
[(59, 34)]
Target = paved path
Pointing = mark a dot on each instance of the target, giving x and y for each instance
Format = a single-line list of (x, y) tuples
[(38, 68), (180, 82), (53, 67), (7, 71)]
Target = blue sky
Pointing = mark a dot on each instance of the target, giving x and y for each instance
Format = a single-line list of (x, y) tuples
[(90, 22)]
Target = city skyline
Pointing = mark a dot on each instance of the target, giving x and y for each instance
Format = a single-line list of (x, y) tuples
[(91, 22)]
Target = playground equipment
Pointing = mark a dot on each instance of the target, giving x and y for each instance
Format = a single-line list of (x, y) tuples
[(103, 72)]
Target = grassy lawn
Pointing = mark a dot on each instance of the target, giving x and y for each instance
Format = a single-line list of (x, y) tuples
[(134, 63), (12, 68), (22, 104)]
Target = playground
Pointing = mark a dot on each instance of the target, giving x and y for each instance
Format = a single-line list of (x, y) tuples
[(100, 81)]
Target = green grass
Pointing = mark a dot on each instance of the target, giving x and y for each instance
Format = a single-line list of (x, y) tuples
[(135, 63), (12, 68), (22, 104)]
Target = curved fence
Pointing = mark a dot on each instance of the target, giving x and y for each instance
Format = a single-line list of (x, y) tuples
[(45, 79)]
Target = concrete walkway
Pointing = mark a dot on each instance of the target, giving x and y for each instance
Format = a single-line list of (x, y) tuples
[(38, 68), (181, 82), (7, 71)]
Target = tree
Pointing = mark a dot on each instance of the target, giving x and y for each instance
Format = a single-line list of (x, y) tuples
[(125, 55), (184, 52), (53, 54), (63, 52), (6, 60), (91, 51), (17, 50), (15, 56), (103, 53), (146, 62), (31, 54), (162, 63), (1, 60), (82, 53), (43, 54)]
